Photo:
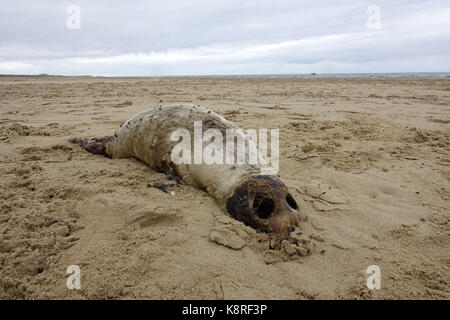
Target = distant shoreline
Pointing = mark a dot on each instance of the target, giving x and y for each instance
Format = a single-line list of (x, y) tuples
[(312, 75)]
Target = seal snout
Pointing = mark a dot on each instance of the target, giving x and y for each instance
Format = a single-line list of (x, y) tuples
[(283, 223)]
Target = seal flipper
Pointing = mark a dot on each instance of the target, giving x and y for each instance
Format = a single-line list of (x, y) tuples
[(93, 145), (170, 172)]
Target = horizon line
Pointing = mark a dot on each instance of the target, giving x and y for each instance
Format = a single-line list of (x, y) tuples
[(312, 74)]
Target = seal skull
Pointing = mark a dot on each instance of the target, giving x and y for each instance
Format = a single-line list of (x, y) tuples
[(264, 203)]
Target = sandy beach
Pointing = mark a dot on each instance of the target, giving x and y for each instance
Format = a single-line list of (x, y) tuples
[(368, 161)]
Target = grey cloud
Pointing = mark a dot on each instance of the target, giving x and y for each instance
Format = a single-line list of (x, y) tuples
[(222, 37)]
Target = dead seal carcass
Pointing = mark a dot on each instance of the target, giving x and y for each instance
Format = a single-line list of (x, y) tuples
[(261, 201)]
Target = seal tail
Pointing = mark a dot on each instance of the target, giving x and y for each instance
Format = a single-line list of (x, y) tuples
[(93, 145)]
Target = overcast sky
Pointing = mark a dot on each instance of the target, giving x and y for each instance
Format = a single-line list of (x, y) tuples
[(215, 37)]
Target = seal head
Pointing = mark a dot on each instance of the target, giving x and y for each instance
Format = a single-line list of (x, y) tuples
[(264, 203)]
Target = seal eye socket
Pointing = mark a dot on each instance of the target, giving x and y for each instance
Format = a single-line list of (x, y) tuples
[(291, 202), (263, 207)]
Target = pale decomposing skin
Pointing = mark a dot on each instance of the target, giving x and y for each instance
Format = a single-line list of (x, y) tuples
[(260, 201)]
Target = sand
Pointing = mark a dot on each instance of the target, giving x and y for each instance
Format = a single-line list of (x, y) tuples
[(366, 159)]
